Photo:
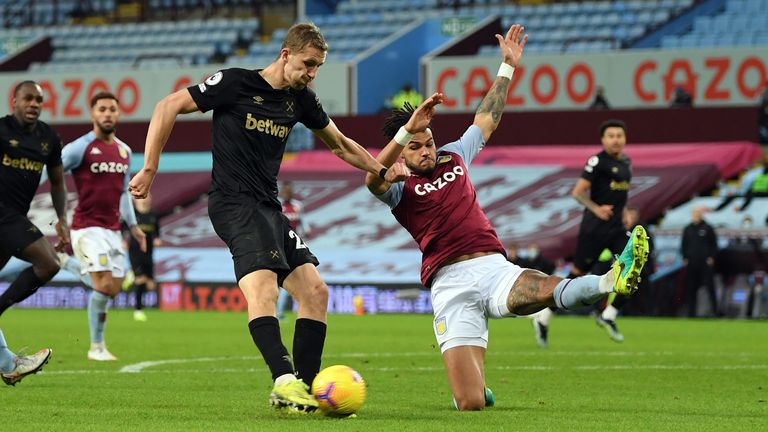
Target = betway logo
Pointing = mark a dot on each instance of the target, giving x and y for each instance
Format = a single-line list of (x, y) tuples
[(440, 182), (108, 167), (23, 163), (266, 126)]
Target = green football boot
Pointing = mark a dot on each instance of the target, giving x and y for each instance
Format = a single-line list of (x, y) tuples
[(628, 265), (293, 395)]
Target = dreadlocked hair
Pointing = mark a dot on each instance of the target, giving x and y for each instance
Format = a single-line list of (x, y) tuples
[(397, 119)]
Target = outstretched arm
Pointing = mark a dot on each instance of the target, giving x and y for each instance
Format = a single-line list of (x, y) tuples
[(160, 127), (418, 122), (353, 153), (489, 112)]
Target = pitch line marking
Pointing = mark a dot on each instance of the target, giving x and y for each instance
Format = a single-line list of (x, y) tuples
[(419, 369), (139, 367)]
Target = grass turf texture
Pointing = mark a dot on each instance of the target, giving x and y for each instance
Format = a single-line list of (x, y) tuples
[(696, 375)]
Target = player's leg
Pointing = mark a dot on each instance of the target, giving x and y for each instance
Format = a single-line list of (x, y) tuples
[(94, 248), (607, 315), (534, 290), (139, 283), (98, 304), (6, 355), (311, 294), (255, 237), (465, 367), (692, 283), (589, 247), (10, 269), (461, 326), (708, 276), (140, 287), (260, 291), (14, 368), (41, 254), (283, 299), (587, 250), (540, 321)]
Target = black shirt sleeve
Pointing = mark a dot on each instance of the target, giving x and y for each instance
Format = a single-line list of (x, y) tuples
[(54, 158), (313, 115), (590, 169), (220, 89)]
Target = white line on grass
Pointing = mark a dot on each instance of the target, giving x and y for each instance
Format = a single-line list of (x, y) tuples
[(421, 369), (140, 367)]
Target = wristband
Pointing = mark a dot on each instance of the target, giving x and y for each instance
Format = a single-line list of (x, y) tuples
[(383, 173), (506, 71), (403, 137)]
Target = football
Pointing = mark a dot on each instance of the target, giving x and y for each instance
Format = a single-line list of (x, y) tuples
[(339, 390)]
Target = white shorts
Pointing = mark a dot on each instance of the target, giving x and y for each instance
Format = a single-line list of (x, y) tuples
[(99, 249), (466, 294)]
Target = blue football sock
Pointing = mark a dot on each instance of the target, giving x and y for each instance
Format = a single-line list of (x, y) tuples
[(282, 303), (577, 293), (97, 315), (6, 356), (72, 265)]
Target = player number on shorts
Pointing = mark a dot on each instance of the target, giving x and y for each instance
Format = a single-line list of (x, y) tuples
[(299, 243)]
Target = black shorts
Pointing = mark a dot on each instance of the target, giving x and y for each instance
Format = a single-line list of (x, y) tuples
[(142, 264), (258, 236), (591, 245), (16, 233)]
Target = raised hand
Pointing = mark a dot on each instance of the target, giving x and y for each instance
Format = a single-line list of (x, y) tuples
[(512, 44), (421, 117)]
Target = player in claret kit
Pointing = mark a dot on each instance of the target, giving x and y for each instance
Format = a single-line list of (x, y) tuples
[(99, 163), (464, 262)]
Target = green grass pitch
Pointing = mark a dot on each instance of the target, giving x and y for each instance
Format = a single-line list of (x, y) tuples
[(201, 372)]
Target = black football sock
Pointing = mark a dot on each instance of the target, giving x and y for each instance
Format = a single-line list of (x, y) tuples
[(24, 286), (308, 342), (265, 332), (140, 290)]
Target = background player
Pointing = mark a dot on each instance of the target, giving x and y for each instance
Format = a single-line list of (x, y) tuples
[(254, 111), (27, 145), (99, 163), (603, 190), (464, 262), (142, 261)]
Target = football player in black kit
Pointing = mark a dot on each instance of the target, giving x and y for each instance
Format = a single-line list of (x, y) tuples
[(603, 190), (142, 262), (253, 112), (27, 146)]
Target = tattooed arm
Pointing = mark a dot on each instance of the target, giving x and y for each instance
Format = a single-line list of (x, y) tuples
[(489, 112)]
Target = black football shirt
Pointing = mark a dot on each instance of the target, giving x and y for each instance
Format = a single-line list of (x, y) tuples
[(25, 154), (609, 178), (149, 224), (251, 123)]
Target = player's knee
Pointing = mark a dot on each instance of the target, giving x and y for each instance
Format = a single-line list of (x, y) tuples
[(46, 269), (470, 402), (317, 293)]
